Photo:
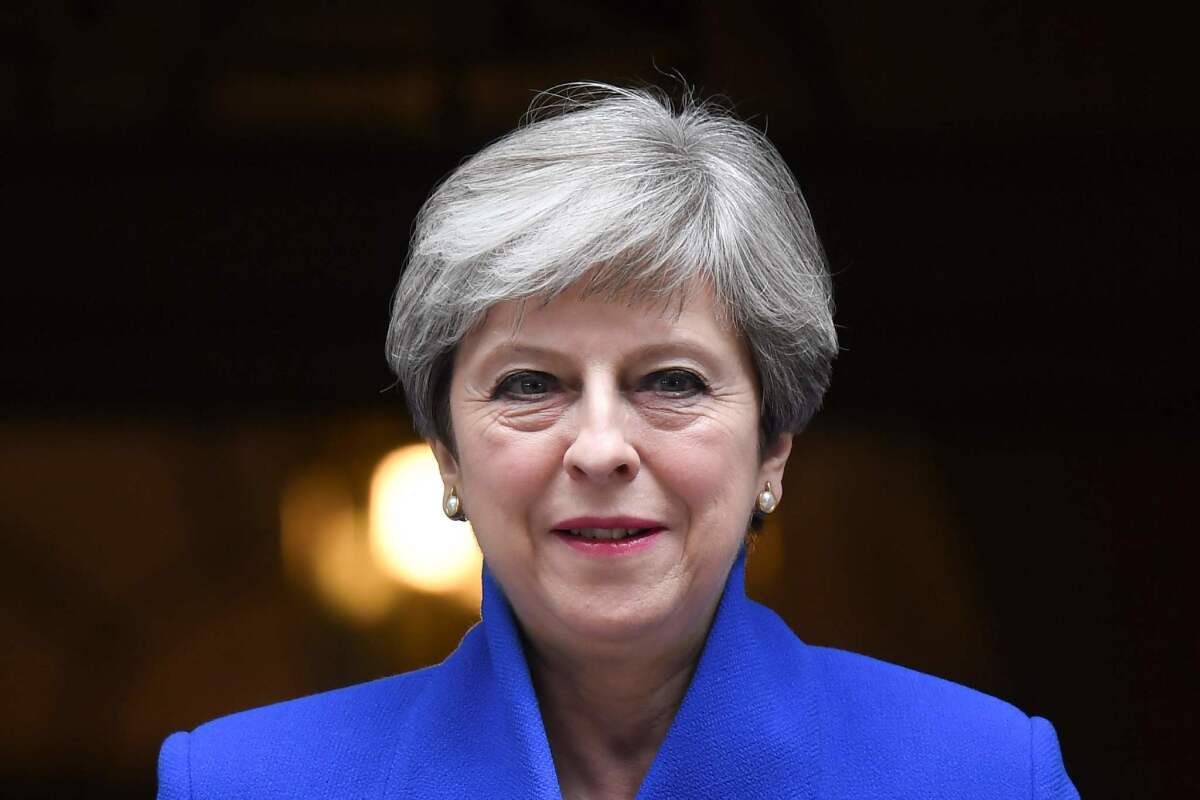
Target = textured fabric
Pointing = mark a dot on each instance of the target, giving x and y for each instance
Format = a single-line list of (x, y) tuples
[(765, 716)]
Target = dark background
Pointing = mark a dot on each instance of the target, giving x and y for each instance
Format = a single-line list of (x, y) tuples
[(204, 208)]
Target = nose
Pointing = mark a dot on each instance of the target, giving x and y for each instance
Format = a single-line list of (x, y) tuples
[(601, 450)]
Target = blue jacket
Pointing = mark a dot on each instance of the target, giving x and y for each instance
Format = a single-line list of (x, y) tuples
[(765, 716)]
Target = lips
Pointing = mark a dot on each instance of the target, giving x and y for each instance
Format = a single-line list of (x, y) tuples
[(608, 537), (611, 528)]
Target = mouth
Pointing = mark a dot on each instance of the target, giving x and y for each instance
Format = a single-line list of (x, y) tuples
[(607, 534)]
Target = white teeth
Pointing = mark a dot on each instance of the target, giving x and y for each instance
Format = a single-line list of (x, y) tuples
[(604, 533)]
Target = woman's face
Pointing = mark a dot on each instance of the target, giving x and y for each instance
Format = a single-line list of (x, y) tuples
[(589, 413)]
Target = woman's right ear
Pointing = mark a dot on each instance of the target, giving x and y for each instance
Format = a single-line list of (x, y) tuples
[(447, 463)]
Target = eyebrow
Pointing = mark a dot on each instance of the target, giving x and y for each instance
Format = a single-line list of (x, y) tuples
[(656, 349)]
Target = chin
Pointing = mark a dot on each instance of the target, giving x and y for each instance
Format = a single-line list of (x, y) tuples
[(617, 619)]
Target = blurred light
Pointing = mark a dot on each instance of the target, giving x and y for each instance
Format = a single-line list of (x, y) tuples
[(310, 505), (324, 544), (411, 539), (345, 574)]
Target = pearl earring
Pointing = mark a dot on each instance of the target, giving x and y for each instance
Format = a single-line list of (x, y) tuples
[(453, 506), (767, 501)]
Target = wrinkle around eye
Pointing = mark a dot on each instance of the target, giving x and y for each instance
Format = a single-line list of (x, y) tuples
[(528, 415), (715, 402), (484, 415), (675, 413)]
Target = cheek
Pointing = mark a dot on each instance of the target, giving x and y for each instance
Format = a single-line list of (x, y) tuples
[(505, 470), (712, 469)]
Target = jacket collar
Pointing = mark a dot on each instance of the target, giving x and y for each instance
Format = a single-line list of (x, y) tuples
[(746, 727)]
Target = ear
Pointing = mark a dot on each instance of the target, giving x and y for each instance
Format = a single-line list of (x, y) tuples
[(774, 460), (447, 464)]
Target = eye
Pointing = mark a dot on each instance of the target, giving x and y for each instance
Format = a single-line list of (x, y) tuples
[(676, 382), (527, 385)]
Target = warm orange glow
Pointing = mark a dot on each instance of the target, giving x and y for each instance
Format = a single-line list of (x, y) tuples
[(324, 544), (411, 539), (345, 574)]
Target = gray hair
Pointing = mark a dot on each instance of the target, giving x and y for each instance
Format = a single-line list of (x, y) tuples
[(640, 196)]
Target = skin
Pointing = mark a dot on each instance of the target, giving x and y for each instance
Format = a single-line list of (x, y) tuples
[(599, 412)]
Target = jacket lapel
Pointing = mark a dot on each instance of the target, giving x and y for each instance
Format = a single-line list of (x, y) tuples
[(747, 727), (476, 730)]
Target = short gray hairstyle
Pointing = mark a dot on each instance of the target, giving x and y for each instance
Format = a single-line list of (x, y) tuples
[(640, 195)]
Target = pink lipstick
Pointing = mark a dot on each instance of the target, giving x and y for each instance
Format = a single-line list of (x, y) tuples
[(608, 536)]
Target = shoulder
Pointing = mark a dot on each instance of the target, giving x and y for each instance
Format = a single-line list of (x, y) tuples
[(860, 687), (862, 693), (333, 744), (882, 722)]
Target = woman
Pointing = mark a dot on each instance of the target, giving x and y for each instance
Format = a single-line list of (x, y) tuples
[(611, 325)]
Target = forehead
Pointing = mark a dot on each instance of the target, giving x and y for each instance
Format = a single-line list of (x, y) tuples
[(577, 323)]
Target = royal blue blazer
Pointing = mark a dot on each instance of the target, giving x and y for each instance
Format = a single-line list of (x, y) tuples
[(765, 716)]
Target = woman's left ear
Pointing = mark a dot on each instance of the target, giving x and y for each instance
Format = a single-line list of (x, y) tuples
[(774, 460)]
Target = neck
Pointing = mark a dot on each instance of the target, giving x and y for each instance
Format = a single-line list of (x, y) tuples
[(607, 710)]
